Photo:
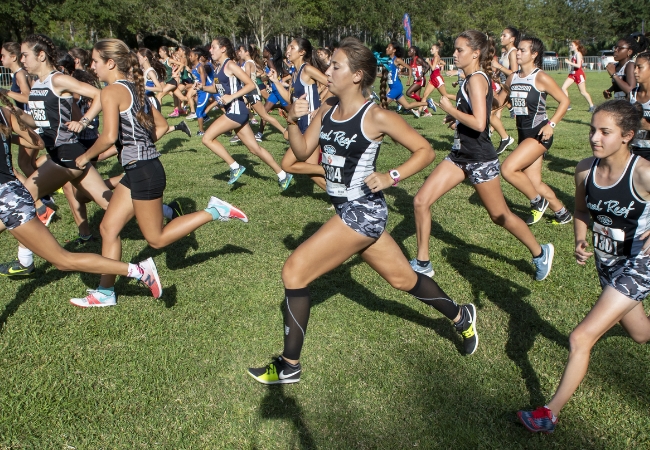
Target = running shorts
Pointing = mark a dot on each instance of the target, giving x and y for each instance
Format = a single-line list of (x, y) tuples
[(366, 215), (146, 179), (16, 205)]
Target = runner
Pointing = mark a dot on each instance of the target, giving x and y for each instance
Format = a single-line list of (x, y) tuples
[(641, 94), (576, 74), (390, 87), (622, 71)]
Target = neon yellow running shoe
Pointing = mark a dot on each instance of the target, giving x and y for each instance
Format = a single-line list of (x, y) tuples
[(537, 211), (278, 372)]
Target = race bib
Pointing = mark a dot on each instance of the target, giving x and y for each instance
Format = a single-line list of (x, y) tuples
[(519, 106), (220, 89), (609, 243), (641, 139), (37, 110), (333, 165)]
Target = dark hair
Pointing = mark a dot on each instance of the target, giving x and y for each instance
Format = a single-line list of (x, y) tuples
[(515, 34), (80, 54), (276, 58), (416, 50), (310, 55), (164, 49), (360, 58), (536, 46), (485, 44), (13, 48), (41, 43), (642, 42), (626, 115), (399, 50), (643, 55), (85, 76), (158, 67), (223, 41), (66, 62), (7, 130), (636, 43)]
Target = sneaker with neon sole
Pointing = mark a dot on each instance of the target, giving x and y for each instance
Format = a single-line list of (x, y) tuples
[(537, 211), (285, 182), (277, 372), (15, 269), (226, 210), (47, 216), (468, 330), (235, 174)]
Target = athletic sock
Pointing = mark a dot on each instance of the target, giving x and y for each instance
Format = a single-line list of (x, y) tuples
[(561, 212), (540, 254), (234, 166), (296, 316), (167, 212), (553, 418), (416, 97), (536, 200), (422, 263), (213, 212), (134, 271), (41, 210), (282, 175), (25, 256), (106, 290), (428, 291)]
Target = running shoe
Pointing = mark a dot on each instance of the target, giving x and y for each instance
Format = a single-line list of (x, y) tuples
[(235, 140), (512, 113), (200, 133), (537, 211), (569, 108), (174, 113), (47, 216), (235, 174), (81, 240), (432, 105), (375, 97), (538, 421), (226, 210), (544, 262), (426, 270), (150, 277), (177, 210), (15, 269), (399, 108), (562, 218), (59, 191), (48, 200), (278, 372), (258, 136), (592, 109), (468, 330), (184, 128), (94, 299), (416, 113), (427, 114), (191, 116), (254, 121), (504, 144), (285, 182)]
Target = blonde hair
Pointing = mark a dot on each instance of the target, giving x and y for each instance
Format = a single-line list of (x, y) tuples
[(127, 63)]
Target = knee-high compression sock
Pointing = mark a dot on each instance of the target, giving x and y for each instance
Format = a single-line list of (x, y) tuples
[(296, 316), (416, 97), (428, 291)]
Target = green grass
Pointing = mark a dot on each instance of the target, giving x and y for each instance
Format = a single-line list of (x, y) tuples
[(381, 370)]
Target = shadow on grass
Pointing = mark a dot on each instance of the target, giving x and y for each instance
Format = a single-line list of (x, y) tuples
[(172, 144), (303, 186), (250, 162), (561, 165)]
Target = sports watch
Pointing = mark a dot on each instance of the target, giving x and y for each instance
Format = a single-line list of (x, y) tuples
[(552, 124), (394, 174)]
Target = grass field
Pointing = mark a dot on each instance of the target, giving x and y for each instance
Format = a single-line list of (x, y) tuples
[(381, 370)]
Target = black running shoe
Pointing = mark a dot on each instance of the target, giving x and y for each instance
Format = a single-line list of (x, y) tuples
[(468, 330), (177, 210), (15, 269), (184, 128), (504, 144), (82, 240), (278, 372), (562, 218), (537, 211)]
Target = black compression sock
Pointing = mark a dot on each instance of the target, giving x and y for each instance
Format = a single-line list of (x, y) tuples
[(428, 291), (296, 316), (41, 210), (422, 263)]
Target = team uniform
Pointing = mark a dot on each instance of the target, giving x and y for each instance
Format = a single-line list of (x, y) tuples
[(436, 78), (620, 218), (640, 145), (144, 174), (15, 88), (202, 97), (349, 156), (51, 112), (472, 150), (255, 96), (310, 91), (529, 107), (16, 203), (505, 62), (275, 97), (169, 73), (151, 96), (88, 136), (617, 92), (418, 72), (576, 73), (235, 110), (395, 88)]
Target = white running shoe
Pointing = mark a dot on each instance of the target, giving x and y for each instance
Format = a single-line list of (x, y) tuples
[(226, 210), (150, 277), (94, 299)]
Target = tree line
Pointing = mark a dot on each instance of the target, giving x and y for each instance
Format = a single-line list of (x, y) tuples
[(151, 23)]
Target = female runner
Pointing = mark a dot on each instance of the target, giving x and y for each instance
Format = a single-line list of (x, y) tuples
[(130, 120), (435, 80), (170, 82), (620, 240), (473, 156), (641, 94), (576, 74), (390, 80), (419, 68), (622, 71), (350, 128), (273, 58), (304, 84), (231, 84), (506, 65), (528, 88), (18, 215)]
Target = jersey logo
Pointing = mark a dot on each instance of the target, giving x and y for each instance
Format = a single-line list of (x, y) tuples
[(339, 138), (329, 150), (604, 220), (39, 92)]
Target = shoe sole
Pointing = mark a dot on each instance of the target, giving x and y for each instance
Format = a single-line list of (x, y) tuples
[(288, 183), (49, 219), (429, 273), (474, 315), (101, 305), (273, 382), (21, 274), (154, 270), (551, 252), (234, 208)]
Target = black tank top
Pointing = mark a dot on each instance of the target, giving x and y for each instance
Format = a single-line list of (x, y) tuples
[(348, 155), (620, 215), (6, 166), (528, 103), (51, 112), (471, 145)]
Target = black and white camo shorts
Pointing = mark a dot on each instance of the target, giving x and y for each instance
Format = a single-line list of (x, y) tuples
[(366, 215), (16, 205), (630, 277), (478, 172)]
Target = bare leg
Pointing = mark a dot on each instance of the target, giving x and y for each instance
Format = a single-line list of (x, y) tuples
[(247, 137), (583, 90), (309, 167), (220, 126)]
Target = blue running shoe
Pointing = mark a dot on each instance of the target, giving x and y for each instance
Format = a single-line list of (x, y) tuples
[(399, 108), (285, 182), (426, 270), (544, 262), (432, 105), (235, 174), (540, 420)]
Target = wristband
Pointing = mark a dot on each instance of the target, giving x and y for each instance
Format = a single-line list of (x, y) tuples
[(394, 174), (84, 121)]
